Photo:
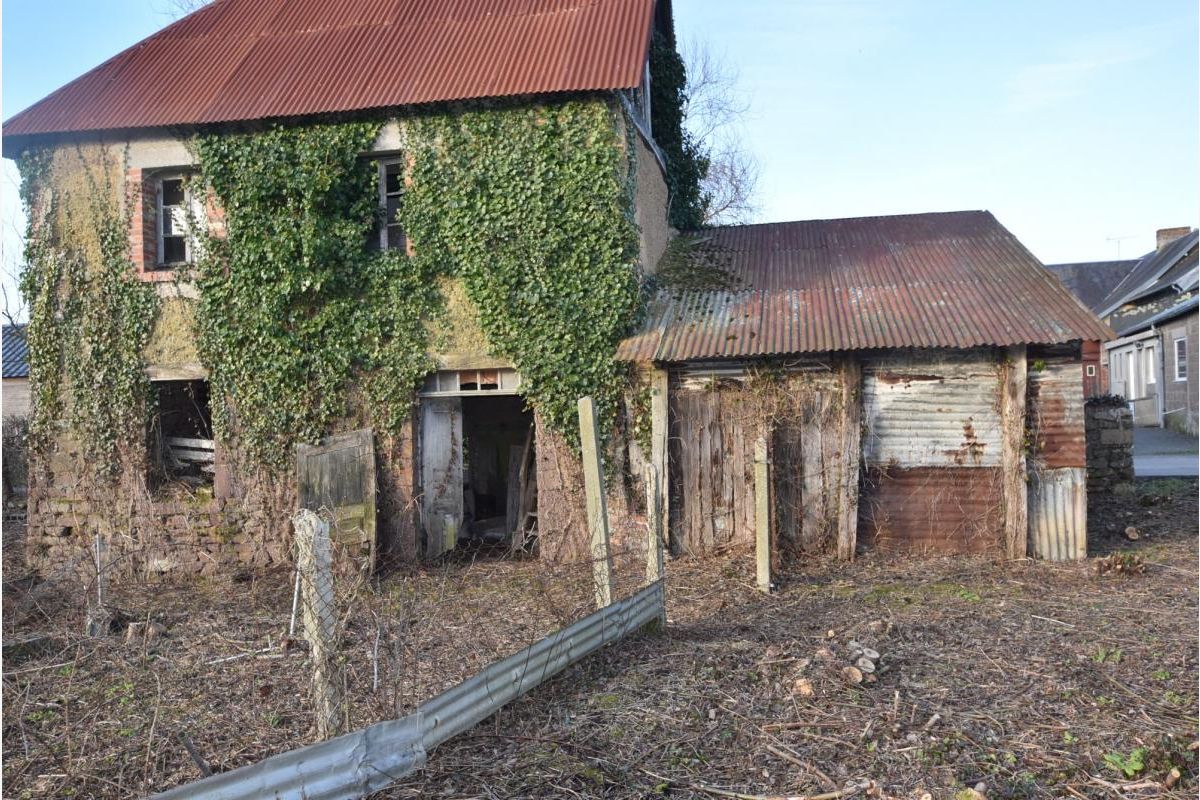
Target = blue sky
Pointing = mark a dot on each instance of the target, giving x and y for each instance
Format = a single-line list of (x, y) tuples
[(1074, 121)]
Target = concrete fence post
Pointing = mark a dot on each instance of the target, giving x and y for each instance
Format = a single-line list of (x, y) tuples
[(597, 512)]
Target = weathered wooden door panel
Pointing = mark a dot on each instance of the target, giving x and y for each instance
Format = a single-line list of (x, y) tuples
[(441, 473), (337, 476)]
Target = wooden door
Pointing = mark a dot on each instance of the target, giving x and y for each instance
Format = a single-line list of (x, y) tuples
[(337, 477), (441, 473)]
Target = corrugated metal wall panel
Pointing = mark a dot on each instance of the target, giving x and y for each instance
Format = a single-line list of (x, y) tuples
[(932, 413), (1054, 414), (932, 451), (1058, 514), (932, 509)]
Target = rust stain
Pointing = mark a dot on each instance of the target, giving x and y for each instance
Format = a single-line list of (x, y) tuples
[(932, 509), (893, 378)]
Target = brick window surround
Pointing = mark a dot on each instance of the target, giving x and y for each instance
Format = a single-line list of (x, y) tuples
[(142, 197)]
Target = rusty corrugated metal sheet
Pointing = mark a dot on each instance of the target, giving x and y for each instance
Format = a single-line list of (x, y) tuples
[(1058, 513), (949, 280), (932, 509), (932, 412), (1054, 415), (258, 59)]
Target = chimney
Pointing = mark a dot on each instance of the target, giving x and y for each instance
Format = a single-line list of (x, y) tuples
[(1168, 235)]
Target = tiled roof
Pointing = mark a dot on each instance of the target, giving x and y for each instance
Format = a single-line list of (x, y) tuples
[(16, 351), (952, 280), (1154, 272), (1091, 281)]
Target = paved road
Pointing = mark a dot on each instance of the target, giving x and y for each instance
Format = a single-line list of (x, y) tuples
[(1161, 453)]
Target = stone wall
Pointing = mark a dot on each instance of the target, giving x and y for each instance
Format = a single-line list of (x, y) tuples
[(1109, 430)]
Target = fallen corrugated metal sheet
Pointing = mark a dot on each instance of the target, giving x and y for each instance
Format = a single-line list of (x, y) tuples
[(931, 413), (474, 700), (1058, 513), (347, 767), (258, 59), (949, 280), (1054, 414), (370, 759), (932, 509)]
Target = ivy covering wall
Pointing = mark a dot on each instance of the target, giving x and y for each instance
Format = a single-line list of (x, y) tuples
[(299, 322), (296, 313), (90, 318), (687, 163), (531, 206)]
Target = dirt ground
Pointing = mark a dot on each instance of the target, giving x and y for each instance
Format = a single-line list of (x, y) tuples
[(1032, 679), (115, 716)]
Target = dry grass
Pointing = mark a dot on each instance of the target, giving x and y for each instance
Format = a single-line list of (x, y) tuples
[(1023, 677)]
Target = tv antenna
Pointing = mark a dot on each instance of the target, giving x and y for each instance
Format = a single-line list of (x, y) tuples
[(1118, 240)]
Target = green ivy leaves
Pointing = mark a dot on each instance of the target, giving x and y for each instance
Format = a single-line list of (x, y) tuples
[(90, 318), (295, 312), (531, 207)]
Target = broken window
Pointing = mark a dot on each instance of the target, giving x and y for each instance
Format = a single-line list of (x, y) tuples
[(388, 233), (175, 213), (181, 433)]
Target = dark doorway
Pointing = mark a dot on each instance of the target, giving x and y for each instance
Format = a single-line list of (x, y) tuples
[(499, 484), (181, 438)]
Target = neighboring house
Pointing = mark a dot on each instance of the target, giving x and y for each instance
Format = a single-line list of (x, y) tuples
[(15, 398), (1151, 304), (927, 358)]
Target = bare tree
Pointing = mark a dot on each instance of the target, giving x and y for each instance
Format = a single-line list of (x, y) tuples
[(13, 307), (177, 9), (715, 109)]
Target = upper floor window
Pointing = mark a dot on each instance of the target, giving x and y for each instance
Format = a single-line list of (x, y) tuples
[(389, 233), (175, 213)]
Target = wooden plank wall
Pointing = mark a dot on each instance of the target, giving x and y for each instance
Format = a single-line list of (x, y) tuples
[(714, 424)]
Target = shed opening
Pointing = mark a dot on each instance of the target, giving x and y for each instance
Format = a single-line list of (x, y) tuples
[(181, 439)]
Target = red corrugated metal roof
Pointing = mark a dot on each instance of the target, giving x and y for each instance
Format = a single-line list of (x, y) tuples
[(257, 59), (952, 280)]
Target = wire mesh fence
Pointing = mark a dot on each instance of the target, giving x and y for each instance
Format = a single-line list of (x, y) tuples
[(122, 681)]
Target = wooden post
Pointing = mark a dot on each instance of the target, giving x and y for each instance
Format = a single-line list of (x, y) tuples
[(1012, 456), (654, 532), (597, 513), (762, 515), (847, 533), (659, 434)]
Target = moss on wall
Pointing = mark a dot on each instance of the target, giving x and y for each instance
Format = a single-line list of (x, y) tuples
[(456, 339), (173, 340)]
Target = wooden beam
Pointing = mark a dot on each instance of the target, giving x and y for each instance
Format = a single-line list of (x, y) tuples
[(597, 512), (847, 533), (654, 531), (1012, 454), (762, 515), (660, 385)]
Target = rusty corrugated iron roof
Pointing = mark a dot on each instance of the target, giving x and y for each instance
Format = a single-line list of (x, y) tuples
[(951, 280), (239, 60)]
